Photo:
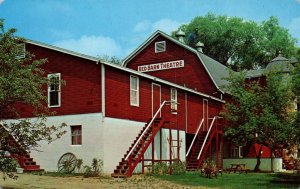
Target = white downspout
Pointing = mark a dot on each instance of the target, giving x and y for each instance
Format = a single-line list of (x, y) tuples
[(103, 89)]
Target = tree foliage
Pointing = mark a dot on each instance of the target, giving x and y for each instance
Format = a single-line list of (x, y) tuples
[(261, 111), (111, 59), (22, 81), (238, 43)]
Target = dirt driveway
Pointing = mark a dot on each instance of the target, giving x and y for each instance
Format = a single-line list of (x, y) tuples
[(29, 181)]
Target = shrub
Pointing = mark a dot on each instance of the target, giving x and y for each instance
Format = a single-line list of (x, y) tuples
[(161, 168), (7, 165), (178, 168), (79, 163), (95, 169)]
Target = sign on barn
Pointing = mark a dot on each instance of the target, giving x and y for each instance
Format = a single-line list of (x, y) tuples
[(161, 66)]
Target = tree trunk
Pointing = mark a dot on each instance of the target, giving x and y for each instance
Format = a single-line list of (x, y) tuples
[(258, 157)]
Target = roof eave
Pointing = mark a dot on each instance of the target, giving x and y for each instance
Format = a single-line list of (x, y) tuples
[(161, 81), (62, 50)]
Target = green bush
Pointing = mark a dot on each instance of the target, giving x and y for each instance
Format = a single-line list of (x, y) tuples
[(79, 163), (95, 169), (8, 164), (161, 168), (178, 168)]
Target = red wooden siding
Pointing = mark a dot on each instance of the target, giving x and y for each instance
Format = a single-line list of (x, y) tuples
[(82, 90), (193, 75), (117, 104)]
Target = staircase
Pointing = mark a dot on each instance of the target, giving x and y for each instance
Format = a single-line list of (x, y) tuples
[(23, 157), (200, 144), (28, 164), (192, 163), (136, 151)]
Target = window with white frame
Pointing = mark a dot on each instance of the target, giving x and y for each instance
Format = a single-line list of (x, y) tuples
[(134, 91), (54, 92), (76, 135), (160, 46), (237, 152), (173, 99), (21, 51)]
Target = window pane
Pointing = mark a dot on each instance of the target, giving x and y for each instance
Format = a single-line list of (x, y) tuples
[(133, 83), (133, 97), (54, 83), (54, 90), (134, 91), (76, 135), (174, 99), (54, 98)]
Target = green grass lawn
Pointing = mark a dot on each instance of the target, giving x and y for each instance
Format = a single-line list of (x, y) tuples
[(235, 180)]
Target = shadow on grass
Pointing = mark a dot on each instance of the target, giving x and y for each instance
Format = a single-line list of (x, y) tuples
[(233, 180)]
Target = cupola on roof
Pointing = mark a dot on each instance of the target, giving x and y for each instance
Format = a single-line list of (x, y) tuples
[(280, 64)]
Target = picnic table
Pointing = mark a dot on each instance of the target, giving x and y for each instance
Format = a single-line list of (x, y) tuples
[(238, 167)]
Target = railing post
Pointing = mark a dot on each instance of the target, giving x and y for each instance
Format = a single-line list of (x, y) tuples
[(147, 127), (208, 132), (199, 127), (143, 158)]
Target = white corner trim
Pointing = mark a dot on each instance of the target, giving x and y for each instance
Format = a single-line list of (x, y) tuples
[(103, 88)]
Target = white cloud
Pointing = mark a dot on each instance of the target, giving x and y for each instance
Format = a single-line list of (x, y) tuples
[(92, 45), (298, 1), (165, 25), (294, 28), (1, 1)]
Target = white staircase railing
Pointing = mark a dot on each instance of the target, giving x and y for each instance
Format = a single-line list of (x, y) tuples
[(149, 124), (199, 127), (208, 132)]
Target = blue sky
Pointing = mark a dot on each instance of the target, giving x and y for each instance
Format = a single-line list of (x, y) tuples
[(116, 27)]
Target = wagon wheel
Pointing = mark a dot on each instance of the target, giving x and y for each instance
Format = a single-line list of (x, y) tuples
[(67, 163)]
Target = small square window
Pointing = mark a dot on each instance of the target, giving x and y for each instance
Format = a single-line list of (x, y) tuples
[(76, 135), (160, 46)]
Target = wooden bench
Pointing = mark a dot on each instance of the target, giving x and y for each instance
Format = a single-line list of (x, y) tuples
[(238, 167)]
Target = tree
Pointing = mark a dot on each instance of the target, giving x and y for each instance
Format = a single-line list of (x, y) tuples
[(238, 43), (296, 90), (111, 59), (22, 81), (260, 112)]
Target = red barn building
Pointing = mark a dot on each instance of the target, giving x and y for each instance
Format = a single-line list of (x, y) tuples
[(162, 104)]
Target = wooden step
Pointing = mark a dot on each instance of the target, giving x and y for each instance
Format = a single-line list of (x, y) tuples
[(118, 175), (32, 168)]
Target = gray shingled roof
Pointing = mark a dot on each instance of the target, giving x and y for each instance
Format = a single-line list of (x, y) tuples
[(280, 64), (217, 70), (255, 73)]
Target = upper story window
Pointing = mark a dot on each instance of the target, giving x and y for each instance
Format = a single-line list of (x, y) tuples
[(21, 51), (134, 91), (54, 92), (173, 99), (160, 46), (76, 135)]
